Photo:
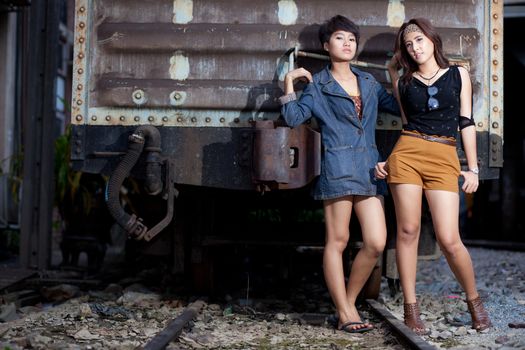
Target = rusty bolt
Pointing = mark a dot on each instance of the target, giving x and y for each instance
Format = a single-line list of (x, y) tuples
[(495, 125), (108, 118), (79, 87), (495, 62), (136, 118), (495, 31), (80, 71), (151, 118), (494, 93), (122, 118), (177, 96), (82, 9), (208, 119), (495, 46), (138, 95), (164, 119), (193, 120), (495, 16), (81, 25), (78, 117), (222, 120), (179, 119), (81, 40), (80, 55), (79, 102), (495, 1), (94, 117), (495, 109), (480, 124), (495, 77)]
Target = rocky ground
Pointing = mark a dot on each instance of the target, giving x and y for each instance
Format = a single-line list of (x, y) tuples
[(125, 315)]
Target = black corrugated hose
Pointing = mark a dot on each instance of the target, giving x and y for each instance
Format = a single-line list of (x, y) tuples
[(143, 134)]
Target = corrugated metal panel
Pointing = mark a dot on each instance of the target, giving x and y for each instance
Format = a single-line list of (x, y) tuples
[(221, 63)]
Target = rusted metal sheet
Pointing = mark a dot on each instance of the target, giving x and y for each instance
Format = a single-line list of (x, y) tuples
[(220, 65)]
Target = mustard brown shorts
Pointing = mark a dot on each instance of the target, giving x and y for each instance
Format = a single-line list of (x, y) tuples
[(431, 165)]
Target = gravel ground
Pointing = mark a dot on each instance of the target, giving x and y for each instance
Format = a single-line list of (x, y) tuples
[(127, 316)]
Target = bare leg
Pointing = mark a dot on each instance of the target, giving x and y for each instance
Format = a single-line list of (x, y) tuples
[(337, 220), (371, 214), (407, 201), (444, 207)]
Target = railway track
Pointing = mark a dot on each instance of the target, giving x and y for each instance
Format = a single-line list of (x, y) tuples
[(175, 327)]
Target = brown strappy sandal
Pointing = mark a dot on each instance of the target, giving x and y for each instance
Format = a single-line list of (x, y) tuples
[(480, 317), (413, 320)]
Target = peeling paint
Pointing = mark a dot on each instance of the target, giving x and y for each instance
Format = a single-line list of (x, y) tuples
[(179, 66), (182, 11), (288, 12), (395, 13)]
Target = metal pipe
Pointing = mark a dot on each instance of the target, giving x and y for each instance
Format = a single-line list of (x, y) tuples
[(327, 58)]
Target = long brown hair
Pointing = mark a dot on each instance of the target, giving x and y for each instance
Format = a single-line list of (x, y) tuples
[(405, 60)]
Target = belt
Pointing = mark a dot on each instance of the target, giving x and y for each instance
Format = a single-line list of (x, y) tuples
[(431, 138)]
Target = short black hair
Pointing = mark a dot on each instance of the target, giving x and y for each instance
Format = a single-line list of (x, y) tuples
[(337, 23)]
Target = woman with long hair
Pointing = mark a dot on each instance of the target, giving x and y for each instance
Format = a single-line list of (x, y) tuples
[(436, 100)]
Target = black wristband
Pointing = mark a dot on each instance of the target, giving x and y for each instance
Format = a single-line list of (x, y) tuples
[(465, 122)]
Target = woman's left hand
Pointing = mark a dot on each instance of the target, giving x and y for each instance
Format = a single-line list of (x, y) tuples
[(471, 182)]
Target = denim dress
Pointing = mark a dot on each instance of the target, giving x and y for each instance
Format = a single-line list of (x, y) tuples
[(349, 148)]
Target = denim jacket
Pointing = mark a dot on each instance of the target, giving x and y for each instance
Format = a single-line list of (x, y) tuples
[(349, 149)]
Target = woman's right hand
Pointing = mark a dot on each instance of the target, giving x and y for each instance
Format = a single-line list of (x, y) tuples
[(380, 170), (299, 73)]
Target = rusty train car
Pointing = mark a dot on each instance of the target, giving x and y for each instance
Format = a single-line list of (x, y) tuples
[(182, 95)]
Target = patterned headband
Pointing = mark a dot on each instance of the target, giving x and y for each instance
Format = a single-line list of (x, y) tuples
[(410, 29)]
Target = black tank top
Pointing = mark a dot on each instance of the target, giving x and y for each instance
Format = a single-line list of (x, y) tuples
[(442, 121)]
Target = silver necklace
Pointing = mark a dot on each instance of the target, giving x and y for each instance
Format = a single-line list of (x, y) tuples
[(429, 79)]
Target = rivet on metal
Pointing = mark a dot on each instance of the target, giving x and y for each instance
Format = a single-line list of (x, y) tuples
[(93, 117), (136, 118), (122, 118), (495, 62), (495, 16), (236, 120), (495, 1), (494, 158), (164, 119), (494, 93), (495, 77), (81, 40), (394, 122), (80, 71), (495, 125), (177, 96), (494, 141), (80, 55), (379, 122), (108, 118), (222, 120), (82, 9), (151, 118), (495, 46), (179, 119), (193, 120), (495, 31), (79, 102), (139, 97), (480, 124), (81, 24), (495, 109), (80, 87), (78, 117), (208, 119)]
